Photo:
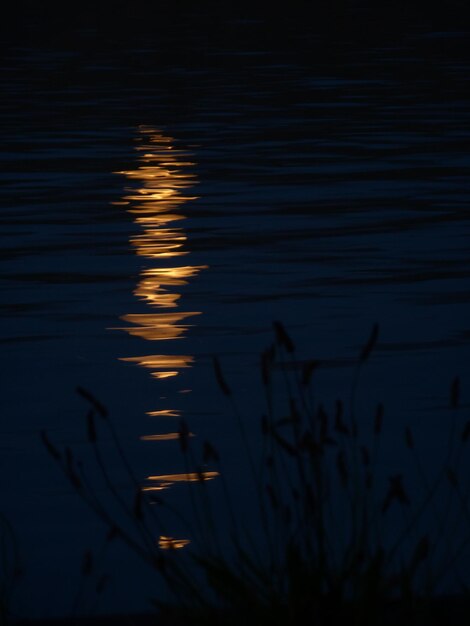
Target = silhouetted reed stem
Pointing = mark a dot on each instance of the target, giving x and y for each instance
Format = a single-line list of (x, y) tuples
[(145, 532), (241, 427)]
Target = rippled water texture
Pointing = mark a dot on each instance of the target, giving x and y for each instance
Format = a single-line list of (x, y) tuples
[(171, 188)]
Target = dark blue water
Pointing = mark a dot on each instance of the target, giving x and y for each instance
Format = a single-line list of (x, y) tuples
[(167, 194)]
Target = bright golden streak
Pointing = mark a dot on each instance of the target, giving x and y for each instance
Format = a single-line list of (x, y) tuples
[(164, 413), (157, 326), (163, 437), (161, 255), (165, 374), (162, 244), (172, 234), (168, 543), (153, 208), (159, 220), (160, 300), (157, 334), (173, 275), (158, 319), (182, 164), (184, 478), (160, 360)]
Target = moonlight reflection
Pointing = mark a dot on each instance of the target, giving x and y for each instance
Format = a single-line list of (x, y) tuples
[(160, 188), (160, 185)]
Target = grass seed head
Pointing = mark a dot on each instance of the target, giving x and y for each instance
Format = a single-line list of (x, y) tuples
[(209, 453), (283, 338), (308, 369), (369, 346), (95, 403), (183, 436), (396, 492)]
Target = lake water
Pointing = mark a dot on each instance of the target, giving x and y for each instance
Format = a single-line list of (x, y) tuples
[(167, 194)]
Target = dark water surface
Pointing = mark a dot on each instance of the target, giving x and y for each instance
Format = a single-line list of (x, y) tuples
[(168, 192)]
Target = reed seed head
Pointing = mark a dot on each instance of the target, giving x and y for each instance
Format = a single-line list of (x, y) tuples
[(396, 491), (183, 436), (308, 369), (209, 453), (283, 338), (369, 346), (91, 399)]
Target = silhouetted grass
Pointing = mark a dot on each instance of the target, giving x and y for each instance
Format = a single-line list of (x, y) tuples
[(331, 538)]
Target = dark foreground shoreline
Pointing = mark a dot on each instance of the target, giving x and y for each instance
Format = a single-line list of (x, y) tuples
[(445, 611)]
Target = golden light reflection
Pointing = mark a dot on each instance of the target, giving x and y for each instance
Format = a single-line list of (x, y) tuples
[(163, 437), (158, 326), (151, 287), (169, 543), (164, 413), (159, 188), (160, 360), (163, 481), (169, 374)]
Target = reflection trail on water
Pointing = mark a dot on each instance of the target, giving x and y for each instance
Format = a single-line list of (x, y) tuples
[(161, 180), (160, 184), (163, 481)]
